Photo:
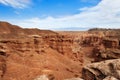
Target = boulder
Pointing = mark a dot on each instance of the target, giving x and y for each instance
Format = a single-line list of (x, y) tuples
[(100, 70), (42, 77), (110, 78), (45, 77)]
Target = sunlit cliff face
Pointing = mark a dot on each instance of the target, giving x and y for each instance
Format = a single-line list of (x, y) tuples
[(76, 54)]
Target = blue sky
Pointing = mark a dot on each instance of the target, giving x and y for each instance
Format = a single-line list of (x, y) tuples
[(61, 14), (45, 8)]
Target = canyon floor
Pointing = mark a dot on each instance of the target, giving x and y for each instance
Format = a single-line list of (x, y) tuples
[(33, 54)]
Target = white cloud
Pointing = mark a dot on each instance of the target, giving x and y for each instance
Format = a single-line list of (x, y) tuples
[(105, 15), (84, 8), (89, 1), (15, 3)]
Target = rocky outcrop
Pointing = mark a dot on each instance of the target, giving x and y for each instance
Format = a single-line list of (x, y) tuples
[(102, 70), (31, 43), (91, 40), (107, 51), (110, 43), (65, 45), (100, 54)]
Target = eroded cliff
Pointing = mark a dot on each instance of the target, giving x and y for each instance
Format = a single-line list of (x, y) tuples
[(26, 54)]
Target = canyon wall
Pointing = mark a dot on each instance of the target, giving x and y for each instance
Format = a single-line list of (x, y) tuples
[(26, 54)]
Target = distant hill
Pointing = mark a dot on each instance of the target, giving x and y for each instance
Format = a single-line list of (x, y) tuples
[(103, 29), (9, 30)]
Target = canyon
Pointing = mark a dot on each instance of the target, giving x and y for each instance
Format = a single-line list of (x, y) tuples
[(34, 54)]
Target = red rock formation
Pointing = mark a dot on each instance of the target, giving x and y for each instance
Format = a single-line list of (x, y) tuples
[(110, 43), (26, 54), (66, 46), (102, 70)]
